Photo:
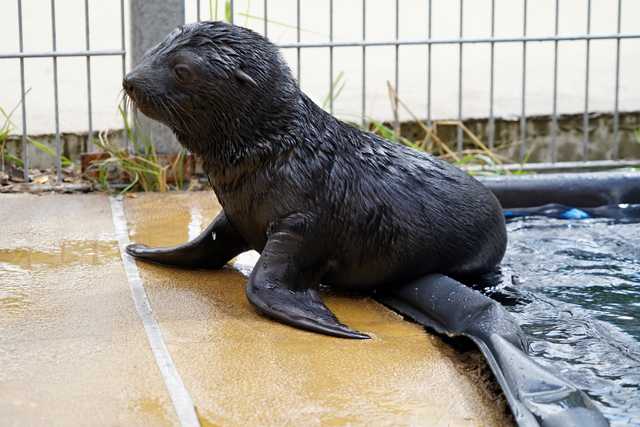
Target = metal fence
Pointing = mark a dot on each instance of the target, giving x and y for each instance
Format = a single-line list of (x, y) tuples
[(54, 54), (459, 43)]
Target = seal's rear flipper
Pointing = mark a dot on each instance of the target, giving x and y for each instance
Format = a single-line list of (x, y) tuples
[(216, 245), (537, 396)]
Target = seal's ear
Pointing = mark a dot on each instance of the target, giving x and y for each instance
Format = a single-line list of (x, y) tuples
[(243, 77)]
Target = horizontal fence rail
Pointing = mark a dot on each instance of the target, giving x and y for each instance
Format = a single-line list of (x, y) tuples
[(463, 40), (364, 43), (59, 54)]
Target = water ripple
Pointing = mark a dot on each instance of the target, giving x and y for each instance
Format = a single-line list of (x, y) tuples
[(575, 288)]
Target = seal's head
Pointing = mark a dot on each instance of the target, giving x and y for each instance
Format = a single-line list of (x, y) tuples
[(210, 79)]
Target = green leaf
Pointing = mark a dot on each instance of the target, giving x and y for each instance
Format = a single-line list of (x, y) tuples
[(227, 11), (465, 160), (13, 159), (382, 130), (130, 186), (336, 88), (41, 146)]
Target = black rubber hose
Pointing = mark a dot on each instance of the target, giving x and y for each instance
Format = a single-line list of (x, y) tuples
[(571, 189)]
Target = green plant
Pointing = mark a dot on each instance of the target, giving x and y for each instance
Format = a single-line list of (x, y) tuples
[(141, 167), (386, 132), (227, 11), (7, 128), (481, 155), (5, 131), (178, 168), (336, 89), (41, 146), (525, 160), (213, 10)]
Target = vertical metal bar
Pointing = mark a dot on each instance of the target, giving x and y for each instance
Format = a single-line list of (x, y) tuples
[(25, 151), (460, 59), (396, 123), (298, 67), (554, 116), (331, 56), (492, 123), (88, 59), (231, 17), (364, 64), (55, 95), (125, 113), (198, 15), (523, 98), (585, 115), (430, 21), (616, 112), (266, 15)]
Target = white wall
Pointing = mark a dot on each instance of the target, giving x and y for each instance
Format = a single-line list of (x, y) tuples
[(105, 29)]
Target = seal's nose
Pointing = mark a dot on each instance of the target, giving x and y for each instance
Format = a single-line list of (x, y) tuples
[(127, 83)]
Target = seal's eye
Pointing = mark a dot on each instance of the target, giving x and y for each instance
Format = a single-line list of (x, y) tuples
[(182, 73)]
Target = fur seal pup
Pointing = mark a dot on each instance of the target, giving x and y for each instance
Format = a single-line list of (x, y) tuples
[(322, 201)]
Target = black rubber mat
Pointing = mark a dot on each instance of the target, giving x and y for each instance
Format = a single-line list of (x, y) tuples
[(537, 396)]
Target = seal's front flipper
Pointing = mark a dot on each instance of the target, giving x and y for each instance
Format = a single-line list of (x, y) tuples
[(280, 287), (302, 308), (216, 245)]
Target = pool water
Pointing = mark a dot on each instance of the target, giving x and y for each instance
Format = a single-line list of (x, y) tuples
[(575, 287)]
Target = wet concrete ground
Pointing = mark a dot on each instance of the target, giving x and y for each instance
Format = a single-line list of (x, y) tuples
[(73, 350)]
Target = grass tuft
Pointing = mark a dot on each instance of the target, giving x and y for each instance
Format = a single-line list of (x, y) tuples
[(141, 168)]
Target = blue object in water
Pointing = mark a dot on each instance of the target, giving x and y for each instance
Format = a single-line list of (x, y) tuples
[(574, 213)]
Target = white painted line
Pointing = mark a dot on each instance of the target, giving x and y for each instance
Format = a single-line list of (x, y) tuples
[(179, 395)]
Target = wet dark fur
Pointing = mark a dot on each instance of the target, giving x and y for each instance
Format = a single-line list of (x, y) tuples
[(371, 212)]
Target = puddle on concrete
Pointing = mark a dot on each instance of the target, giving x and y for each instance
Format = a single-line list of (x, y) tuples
[(151, 408), (13, 297), (60, 254), (204, 422), (244, 369), (21, 268), (72, 348)]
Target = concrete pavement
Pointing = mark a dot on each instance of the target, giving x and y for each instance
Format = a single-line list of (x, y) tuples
[(73, 349)]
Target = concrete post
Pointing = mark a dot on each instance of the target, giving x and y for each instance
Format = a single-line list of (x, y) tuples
[(151, 21)]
